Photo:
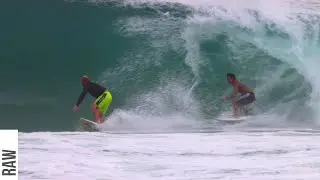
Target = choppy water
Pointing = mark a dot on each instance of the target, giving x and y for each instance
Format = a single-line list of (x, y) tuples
[(255, 154)]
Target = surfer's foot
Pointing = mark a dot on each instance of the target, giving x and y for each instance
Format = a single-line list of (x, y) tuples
[(235, 115), (100, 119)]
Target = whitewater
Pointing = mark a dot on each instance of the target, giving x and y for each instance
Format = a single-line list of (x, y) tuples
[(167, 131)]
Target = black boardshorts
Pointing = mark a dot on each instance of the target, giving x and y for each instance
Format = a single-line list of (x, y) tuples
[(246, 98)]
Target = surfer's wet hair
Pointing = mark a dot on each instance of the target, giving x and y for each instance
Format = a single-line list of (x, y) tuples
[(231, 75)]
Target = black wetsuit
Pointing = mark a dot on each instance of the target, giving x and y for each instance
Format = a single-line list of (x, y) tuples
[(93, 89)]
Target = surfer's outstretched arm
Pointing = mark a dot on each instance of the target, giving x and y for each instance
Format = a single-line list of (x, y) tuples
[(80, 99)]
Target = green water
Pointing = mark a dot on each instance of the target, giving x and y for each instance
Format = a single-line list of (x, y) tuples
[(47, 45)]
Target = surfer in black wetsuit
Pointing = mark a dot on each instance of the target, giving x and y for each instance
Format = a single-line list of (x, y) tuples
[(247, 95), (102, 95)]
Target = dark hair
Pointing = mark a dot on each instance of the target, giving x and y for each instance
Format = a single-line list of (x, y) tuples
[(231, 75)]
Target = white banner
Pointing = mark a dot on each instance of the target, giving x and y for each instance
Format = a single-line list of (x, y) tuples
[(9, 154)]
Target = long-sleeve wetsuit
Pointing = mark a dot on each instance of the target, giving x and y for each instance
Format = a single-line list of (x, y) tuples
[(93, 89)]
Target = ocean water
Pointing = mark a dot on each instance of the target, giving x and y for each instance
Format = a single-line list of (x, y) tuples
[(165, 63), (269, 154)]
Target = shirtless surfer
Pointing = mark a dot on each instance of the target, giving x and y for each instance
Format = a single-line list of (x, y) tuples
[(102, 95), (247, 95)]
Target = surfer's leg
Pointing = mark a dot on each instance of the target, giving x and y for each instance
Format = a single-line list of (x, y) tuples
[(102, 105), (97, 106), (245, 100), (96, 113), (235, 107), (105, 104)]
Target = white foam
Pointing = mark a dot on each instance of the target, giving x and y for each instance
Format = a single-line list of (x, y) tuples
[(167, 106), (236, 155)]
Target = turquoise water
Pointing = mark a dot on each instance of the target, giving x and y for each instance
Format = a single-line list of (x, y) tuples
[(159, 60)]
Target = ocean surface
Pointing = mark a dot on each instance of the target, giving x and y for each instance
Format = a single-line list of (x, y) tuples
[(165, 63), (254, 155)]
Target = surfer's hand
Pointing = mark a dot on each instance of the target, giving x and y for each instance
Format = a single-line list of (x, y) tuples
[(76, 108)]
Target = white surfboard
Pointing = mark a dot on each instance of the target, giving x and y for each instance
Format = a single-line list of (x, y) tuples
[(88, 125), (231, 119)]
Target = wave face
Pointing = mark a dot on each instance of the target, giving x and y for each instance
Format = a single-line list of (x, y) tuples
[(164, 62)]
